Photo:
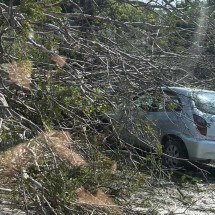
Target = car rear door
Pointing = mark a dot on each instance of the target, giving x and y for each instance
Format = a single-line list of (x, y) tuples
[(146, 113), (170, 120), (155, 113)]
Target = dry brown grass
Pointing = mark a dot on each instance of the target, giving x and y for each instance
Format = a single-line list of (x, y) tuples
[(59, 143), (59, 60), (31, 152), (15, 158), (99, 199), (20, 73), (25, 154)]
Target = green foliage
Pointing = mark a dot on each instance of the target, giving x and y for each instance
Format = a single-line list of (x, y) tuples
[(180, 34), (36, 11), (126, 12), (59, 181), (12, 133), (59, 102)]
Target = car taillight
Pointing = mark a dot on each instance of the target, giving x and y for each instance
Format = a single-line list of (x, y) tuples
[(201, 124)]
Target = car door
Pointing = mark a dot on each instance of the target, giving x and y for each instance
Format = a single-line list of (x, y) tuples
[(147, 107), (170, 118), (159, 112)]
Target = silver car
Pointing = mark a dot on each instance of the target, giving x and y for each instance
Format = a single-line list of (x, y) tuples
[(181, 120)]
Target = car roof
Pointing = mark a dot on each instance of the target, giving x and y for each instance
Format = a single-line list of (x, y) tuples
[(185, 90), (179, 90)]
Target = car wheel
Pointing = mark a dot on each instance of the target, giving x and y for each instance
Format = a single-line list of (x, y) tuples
[(174, 149)]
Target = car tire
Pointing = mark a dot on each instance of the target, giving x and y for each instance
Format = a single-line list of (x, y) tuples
[(174, 147)]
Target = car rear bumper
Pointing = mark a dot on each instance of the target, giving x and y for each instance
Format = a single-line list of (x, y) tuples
[(200, 149)]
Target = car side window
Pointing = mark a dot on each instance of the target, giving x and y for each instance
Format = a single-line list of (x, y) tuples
[(144, 102), (172, 102), (150, 102), (158, 101)]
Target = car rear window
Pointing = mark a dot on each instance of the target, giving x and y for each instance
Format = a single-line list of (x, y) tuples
[(205, 101)]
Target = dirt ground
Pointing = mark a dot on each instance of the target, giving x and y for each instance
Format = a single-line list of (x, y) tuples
[(192, 200), (5, 210), (166, 199), (189, 196)]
